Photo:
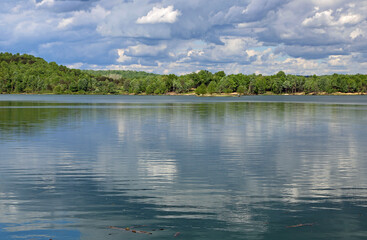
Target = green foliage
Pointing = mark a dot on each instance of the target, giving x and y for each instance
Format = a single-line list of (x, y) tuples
[(58, 89), (281, 75), (29, 74), (241, 89), (205, 77), (118, 74), (226, 84), (212, 87), (277, 86), (177, 86), (219, 75), (260, 85), (201, 90)]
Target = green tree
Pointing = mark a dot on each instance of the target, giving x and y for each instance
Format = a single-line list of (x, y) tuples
[(204, 77), (311, 86), (201, 90), (73, 87), (260, 85), (277, 86), (226, 84), (287, 86), (177, 86), (82, 84), (58, 89), (241, 89), (212, 87), (219, 75)]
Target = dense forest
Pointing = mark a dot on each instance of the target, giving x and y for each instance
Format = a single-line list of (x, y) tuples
[(29, 74)]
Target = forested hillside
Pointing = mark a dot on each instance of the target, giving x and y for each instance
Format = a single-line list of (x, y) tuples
[(116, 74), (29, 74)]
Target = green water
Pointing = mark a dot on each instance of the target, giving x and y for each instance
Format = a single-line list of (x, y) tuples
[(261, 167)]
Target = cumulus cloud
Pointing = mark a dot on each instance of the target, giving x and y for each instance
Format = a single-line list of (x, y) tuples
[(160, 15), (142, 50), (337, 60), (257, 10), (326, 18), (320, 19), (137, 53), (356, 33), (85, 17), (233, 50), (122, 57), (65, 22), (303, 36), (45, 3)]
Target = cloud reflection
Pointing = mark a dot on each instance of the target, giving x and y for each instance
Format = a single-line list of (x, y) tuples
[(237, 164)]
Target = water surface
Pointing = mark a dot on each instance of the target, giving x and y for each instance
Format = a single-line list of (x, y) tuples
[(209, 168)]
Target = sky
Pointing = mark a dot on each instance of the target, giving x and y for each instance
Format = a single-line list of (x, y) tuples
[(181, 36)]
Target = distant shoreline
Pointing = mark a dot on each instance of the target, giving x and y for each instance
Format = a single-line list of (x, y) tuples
[(31, 75), (234, 94)]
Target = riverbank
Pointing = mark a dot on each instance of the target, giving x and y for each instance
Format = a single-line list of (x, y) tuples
[(236, 94), (192, 93)]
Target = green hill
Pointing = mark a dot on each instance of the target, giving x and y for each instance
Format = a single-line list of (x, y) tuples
[(29, 74)]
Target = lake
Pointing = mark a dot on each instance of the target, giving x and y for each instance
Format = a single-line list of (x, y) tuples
[(183, 167)]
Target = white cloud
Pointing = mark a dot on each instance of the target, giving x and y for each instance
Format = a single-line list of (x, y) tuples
[(251, 52), (122, 57), (146, 50), (94, 15), (65, 22), (350, 19), (75, 65), (320, 19), (138, 52), (338, 60), (160, 15), (326, 3), (301, 63), (326, 18), (233, 49), (45, 3), (213, 35), (356, 33)]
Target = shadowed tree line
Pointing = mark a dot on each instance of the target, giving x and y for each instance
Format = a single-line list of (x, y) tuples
[(29, 74)]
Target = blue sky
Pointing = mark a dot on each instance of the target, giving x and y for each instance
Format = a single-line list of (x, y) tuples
[(182, 36)]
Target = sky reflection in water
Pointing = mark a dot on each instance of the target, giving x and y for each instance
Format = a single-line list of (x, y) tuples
[(207, 168)]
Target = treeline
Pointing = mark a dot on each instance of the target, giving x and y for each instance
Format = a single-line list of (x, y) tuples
[(29, 74), (117, 74)]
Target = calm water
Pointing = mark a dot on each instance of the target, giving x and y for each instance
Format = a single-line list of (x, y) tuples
[(207, 168)]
